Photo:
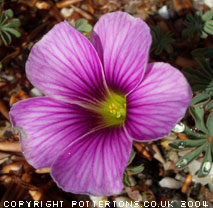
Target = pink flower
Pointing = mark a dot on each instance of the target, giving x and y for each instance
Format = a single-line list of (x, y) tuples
[(100, 96)]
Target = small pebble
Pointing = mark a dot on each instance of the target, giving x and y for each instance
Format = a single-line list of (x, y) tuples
[(171, 183), (8, 77), (173, 156), (163, 12), (34, 92), (133, 194), (148, 182), (194, 166), (66, 12), (179, 177), (209, 3)]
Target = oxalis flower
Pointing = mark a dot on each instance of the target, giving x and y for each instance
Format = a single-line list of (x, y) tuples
[(99, 97)]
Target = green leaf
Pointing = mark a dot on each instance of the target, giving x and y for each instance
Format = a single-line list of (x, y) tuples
[(1, 65), (193, 24), (210, 22), (210, 91), (161, 41), (203, 97), (210, 124), (14, 23), (203, 52), (207, 16), (132, 156), (192, 134), (199, 13), (9, 13), (190, 156), (186, 33), (82, 25), (197, 112), (205, 67), (182, 144), (209, 106), (169, 49), (158, 50), (12, 31), (203, 35), (135, 170), (181, 128), (209, 25), (207, 163), (3, 19), (126, 180), (208, 30), (198, 81), (198, 24), (5, 37)]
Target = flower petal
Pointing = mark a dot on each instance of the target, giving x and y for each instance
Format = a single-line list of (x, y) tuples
[(123, 43), (47, 126), (94, 164), (64, 64), (158, 103)]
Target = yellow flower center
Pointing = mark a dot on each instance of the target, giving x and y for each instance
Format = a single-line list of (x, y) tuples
[(113, 109)]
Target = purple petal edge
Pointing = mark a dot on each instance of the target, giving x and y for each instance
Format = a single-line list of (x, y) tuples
[(158, 103)]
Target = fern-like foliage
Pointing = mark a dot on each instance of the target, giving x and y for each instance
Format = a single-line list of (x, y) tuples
[(199, 23), (202, 79), (200, 141), (8, 26), (161, 41)]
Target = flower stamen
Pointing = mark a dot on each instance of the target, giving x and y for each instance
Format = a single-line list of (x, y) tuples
[(113, 109)]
